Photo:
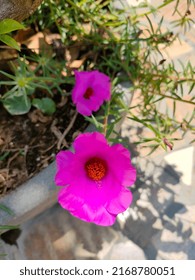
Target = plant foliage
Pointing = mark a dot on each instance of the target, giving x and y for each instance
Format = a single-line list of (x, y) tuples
[(126, 44)]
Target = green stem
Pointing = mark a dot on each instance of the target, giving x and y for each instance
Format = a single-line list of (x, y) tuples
[(105, 125), (180, 100), (174, 78)]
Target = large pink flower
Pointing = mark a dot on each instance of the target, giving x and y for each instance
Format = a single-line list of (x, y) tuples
[(95, 179), (91, 89)]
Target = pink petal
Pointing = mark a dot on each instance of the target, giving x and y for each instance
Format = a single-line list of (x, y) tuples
[(85, 142), (63, 161), (121, 202), (86, 201), (100, 78), (93, 103), (129, 176), (83, 109), (92, 201), (102, 91), (93, 193), (101, 86), (121, 165), (99, 216), (83, 80), (69, 200), (86, 106)]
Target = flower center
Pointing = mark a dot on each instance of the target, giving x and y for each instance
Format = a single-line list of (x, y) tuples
[(88, 93), (96, 168)]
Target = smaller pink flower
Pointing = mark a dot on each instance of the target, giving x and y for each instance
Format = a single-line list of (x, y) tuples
[(91, 89), (95, 179)]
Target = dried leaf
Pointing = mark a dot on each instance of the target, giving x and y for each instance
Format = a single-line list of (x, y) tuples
[(7, 54), (50, 38), (71, 54), (37, 116), (77, 63), (38, 44), (24, 35), (2, 179), (2, 141)]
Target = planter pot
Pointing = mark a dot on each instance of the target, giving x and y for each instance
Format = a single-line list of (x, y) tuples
[(40, 193)]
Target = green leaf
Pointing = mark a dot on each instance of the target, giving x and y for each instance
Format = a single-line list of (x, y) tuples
[(6, 39), (95, 122), (146, 140), (110, 130), (2, 255), (157, 133), (191, 88), (9, 25), (17, 104), (7, 74), (6, 209), (192, 141), (46, 105), (2, 158), (153, 149), (8, 83), (150, 23), (7, 227)]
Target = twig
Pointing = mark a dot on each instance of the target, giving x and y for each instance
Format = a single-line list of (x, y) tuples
[(105, 125), (11, 159), (26, 147), (57, 133), (45, 151), (22, 148), (66, 131)]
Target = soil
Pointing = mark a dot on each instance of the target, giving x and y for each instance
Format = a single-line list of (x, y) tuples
[(29, 143)]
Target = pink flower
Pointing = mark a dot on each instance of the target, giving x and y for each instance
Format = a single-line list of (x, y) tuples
[(95, 179), (90, 91)]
